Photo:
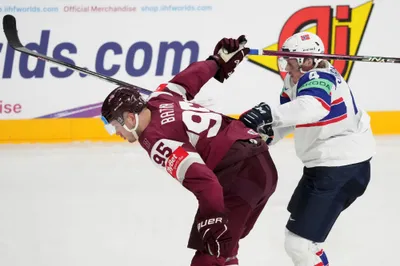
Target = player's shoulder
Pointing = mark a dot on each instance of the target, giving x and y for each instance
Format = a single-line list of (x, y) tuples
[(159, 148), (287, 90), (287, 82), (317, 77), (166, 119), (162, 93), (319, 73), (157, 137), (168, 91)]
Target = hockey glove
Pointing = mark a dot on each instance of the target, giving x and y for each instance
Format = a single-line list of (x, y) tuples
[(228, 53), (259, 118), (216, 235)]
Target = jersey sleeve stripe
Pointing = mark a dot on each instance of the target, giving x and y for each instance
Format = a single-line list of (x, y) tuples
[(354, 103), (337, 101), (177, 89), (324, 123), (284, 98), (338, 112), (186, 163), (179, 162), (324, 104), (156, 94), (317, 93)]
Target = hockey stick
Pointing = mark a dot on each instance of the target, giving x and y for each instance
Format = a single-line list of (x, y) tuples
[(11, 32), (377, 59)]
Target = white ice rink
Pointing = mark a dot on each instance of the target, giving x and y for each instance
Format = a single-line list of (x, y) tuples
[(106, 204)]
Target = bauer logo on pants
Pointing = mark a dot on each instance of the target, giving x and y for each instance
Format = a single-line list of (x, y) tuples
[(341, 34)]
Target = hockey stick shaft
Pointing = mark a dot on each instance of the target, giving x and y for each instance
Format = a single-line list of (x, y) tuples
[(11, 32), (375, 59)]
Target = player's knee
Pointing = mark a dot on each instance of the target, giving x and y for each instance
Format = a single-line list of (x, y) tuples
[(304, 252), (296, 247)]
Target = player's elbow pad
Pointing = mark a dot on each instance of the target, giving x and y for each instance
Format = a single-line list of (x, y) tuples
[(203, 183), (315, 110), (320, 113)]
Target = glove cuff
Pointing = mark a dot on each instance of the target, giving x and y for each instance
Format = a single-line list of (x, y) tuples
[(219, 75), (219, 218)]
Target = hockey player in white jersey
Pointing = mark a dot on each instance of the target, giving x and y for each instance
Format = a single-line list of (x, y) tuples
[(333, 139)]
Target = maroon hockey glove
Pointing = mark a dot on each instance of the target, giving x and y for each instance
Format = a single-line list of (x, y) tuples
[(216, 235), (228, 53)]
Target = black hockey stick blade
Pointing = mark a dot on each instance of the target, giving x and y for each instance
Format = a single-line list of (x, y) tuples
[(10, 26), (11, 32)]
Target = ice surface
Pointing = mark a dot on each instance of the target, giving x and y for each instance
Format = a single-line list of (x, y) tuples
[(106, 204)]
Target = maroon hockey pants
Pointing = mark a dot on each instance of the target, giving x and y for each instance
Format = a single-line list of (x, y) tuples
[(247, 185)]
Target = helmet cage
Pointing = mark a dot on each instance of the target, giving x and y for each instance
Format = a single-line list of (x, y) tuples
[(282, 60), (301, 42)]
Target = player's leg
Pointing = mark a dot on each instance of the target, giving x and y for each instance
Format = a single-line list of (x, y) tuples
[(357, 185), (308, 208), (242, 218), (247, 186), (304, 252), (260, 171), (321, 195), (244, 200), (251, 221)]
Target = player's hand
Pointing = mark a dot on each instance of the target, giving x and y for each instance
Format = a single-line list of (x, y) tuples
[(259, 118), (216, 235), (228, 53)]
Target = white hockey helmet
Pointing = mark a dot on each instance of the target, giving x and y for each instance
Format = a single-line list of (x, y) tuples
[(301, 42)]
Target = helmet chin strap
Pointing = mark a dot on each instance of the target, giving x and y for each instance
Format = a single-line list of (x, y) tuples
[(133, 130), (300, 61), (316, 62)]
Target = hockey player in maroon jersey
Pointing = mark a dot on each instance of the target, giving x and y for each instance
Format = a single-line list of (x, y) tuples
[(223, 163)]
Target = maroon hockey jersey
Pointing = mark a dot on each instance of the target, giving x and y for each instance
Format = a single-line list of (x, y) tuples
[(188, 140)]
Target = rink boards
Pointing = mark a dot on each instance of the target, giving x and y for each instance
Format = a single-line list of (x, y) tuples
[(91, 129), (41, 102)]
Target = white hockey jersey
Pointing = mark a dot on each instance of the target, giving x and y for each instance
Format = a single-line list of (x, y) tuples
[(329, 128)]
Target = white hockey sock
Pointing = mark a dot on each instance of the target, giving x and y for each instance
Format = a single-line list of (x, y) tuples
[(304, 252)]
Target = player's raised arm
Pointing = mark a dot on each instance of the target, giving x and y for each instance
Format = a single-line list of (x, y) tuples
[(228, 53)]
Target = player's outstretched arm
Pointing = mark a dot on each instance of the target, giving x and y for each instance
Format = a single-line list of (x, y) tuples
[(212, 223), (228, 53), (186, 165), (312, 104), (303, 110)]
